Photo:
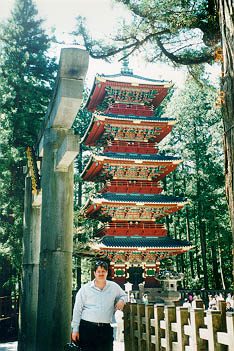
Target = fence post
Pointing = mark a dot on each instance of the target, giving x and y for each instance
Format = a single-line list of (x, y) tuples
[(222, 309), (140, 315), (127, 327), (227, 337), (159, 333), (182, 316), (214, 324), (149, 312), (197, 321), (170, 317)]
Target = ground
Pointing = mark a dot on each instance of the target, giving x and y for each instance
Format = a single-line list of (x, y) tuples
[(12, 346)]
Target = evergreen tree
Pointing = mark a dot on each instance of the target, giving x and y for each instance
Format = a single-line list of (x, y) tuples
[(27, 76), (197, 137)]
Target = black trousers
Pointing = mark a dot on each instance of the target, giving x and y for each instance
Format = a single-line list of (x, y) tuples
[(94, 337)]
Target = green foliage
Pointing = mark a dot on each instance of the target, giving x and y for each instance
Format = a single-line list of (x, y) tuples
[(26, 79), (185, 32)]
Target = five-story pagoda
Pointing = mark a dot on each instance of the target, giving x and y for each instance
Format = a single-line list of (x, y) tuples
[(127, 130)]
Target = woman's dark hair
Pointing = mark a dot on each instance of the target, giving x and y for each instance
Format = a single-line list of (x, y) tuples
[(101, 264)]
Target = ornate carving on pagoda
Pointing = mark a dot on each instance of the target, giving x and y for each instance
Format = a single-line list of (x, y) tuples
[(108, 127), (127, 133), (150, 257), (140, 212), (120, 257), (135, 258)]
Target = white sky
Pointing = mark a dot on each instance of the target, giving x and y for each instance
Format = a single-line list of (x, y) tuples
[(102, 17)]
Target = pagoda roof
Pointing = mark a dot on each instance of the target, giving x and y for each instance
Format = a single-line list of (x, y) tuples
[(162, 119), (97, 125), (98, 91), (96, 162), (132, 206), (135, 156), (138, 198), (132, 78), (144, 242)]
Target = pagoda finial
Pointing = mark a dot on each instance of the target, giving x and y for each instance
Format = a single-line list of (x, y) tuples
[(125, 70)]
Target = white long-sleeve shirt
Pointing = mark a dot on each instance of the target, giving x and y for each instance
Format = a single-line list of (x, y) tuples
[(96, 305)]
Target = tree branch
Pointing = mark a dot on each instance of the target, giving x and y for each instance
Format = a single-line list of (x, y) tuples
[(183, 60)]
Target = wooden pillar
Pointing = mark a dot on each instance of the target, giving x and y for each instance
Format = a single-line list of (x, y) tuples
[(59, 147), (55, 281), (30, 274)]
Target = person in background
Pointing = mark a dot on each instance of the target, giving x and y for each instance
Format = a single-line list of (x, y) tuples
[(229, 307), (145, 299), (95, 305), (132, 298), (212, 303), (186, 303)]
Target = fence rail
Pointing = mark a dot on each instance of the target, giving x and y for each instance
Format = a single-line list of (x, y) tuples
[(168, 328)]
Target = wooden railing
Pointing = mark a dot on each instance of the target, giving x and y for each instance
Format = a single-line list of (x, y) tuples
[(159, 327)]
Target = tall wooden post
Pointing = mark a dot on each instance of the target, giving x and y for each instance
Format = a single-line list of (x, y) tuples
[(59, 147), (45, 308), (30, 276)]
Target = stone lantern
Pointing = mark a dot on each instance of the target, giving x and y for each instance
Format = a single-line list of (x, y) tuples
[(169, 279)]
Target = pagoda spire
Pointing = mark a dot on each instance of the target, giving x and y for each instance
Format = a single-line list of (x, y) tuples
[(125, 70)]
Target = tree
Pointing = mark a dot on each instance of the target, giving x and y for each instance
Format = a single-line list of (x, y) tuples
[(226, 22), (197, 137), (185, 32), (27, 76)]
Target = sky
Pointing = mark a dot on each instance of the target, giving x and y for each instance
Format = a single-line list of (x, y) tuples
[(102, 18)]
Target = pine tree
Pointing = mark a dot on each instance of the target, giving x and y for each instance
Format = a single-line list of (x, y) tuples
[(27, 75)]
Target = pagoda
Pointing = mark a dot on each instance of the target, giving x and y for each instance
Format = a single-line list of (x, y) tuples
[(131, 206)]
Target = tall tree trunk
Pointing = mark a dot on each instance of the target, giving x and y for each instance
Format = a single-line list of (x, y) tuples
[(226, 13), (202, 232), (216, 276), (200, 212), (188, 231), (220, 260), (196, 241)]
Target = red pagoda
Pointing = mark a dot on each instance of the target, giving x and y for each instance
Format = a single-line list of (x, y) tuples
[(126, 129)]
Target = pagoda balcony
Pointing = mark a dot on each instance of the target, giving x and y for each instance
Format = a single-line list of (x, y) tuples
[(131, 147), (134, 186), (133, 229)]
